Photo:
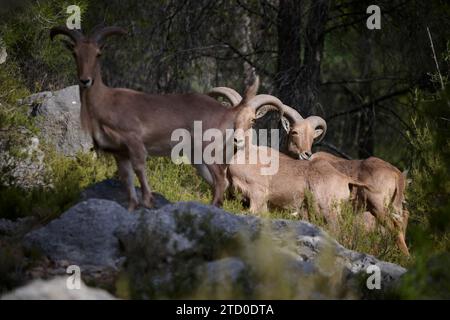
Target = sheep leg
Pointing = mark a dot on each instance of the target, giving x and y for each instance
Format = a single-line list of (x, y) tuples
[(392, 223), (257, 205), (138, 157), (220, 184), (126, 176)]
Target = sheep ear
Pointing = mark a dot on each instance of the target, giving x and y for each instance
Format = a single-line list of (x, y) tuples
[(317, 133), (286, 124)]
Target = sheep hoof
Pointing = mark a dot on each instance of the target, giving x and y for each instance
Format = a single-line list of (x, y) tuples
[(149, 202), (133, 205)]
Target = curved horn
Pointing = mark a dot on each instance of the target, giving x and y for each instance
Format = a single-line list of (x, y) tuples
[(75, 35), (318, 122), (100, 34), (265, 99), (230, 94), (292, 114)]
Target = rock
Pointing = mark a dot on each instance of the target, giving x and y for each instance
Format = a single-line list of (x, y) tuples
[(187, 249), (114, 190), (3, 54), (167, 244), (84, 235), (56, 289), (59, 119), (25, 167), (223, 271)]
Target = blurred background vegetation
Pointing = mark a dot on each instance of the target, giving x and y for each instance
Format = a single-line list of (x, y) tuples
[(381, 92)]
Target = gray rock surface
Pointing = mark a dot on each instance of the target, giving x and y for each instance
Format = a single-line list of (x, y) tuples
[(84, 235), (168, 248), (114, 190), (59, 119), (56, 289), (222, 271)]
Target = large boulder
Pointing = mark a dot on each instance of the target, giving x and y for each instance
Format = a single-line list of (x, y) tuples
[(56, 289), (168, 246), (188, 249), (84, 235), (59, 119)]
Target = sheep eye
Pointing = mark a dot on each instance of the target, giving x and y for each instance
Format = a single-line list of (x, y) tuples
[(294, 133)]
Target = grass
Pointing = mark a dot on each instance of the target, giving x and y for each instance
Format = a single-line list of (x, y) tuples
[(181, 183), (177, 182)]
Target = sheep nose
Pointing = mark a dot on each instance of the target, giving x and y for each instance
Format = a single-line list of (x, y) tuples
[(86, 82), (308, 154)]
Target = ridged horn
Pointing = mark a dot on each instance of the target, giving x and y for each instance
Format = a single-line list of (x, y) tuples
[(318, 122), (229, 94), (262, 100), (292, 114), (75, 35)]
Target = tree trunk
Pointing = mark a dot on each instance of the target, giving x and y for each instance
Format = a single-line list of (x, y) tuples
[(367, 117), (289, 50), (298, 81), (309, 80)]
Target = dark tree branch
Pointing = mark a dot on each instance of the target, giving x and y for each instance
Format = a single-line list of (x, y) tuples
[(340, 82), (370, 103), (256, 13), (395, 115), (244, 57)]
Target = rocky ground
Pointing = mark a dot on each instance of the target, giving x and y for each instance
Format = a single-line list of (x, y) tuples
[(188, 250)]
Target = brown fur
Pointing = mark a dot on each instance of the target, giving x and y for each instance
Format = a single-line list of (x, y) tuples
[(387, 190), (131, 124), (286, 188)]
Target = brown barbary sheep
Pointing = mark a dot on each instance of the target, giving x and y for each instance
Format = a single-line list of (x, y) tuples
[(386, 197), (287, 186), (132, 125)]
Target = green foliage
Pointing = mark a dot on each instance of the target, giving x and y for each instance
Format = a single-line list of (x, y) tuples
[(66, 178), (427, 279), (429, 199), (177, 182), (430, 188), (11, 266), (25, 32)]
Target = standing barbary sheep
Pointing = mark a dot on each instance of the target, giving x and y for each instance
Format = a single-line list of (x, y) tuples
[(131, 124)]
